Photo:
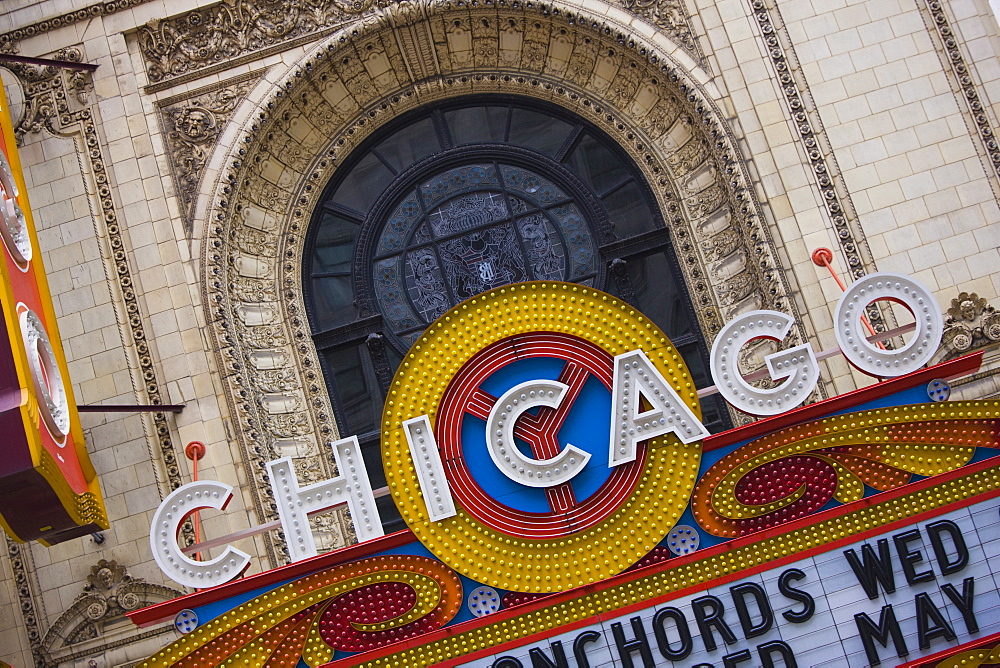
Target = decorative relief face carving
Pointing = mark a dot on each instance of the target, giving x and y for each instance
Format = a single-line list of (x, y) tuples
[(191, 125), (360, 79), (971, 323)]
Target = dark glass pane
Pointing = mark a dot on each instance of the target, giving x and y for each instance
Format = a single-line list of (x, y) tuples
[(628, 211), (357, 389), (713, 412), (714, 415), (477, 124), (657, 293), (695, 364), (391, 520), (371, 451), (538, 131), (334, 248), (410, 144), (545, 253), (596, 165), (363, 184), (395, 359), (333, 302)]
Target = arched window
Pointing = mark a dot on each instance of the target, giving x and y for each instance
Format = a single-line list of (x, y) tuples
[(463, 197)]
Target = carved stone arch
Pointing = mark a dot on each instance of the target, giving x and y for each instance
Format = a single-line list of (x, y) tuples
[(85, 628), (664, 115)]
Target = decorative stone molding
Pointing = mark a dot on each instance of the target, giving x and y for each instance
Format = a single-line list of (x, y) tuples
[(19, 556), (816, 146), (191, 125), (109, 593), (83, 14), (233, 32), (397, 59), (965, 88), (52, 95), (971, 324)]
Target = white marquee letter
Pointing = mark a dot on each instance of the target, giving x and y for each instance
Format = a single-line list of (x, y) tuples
[(45, 374), (430, 471), (296, 503), (504, 451), (870, 359), (636, 378), (13, 226), (797, 364), (167, 520)]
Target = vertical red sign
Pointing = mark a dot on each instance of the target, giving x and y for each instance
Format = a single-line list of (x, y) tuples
[(48, 487)]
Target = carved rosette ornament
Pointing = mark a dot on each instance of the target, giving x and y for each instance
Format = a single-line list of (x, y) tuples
[(401, 57), (89, 12), (971, 324)]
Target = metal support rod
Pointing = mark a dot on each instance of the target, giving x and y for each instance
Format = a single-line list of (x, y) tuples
[(132, 408), (823, 257), (194, 451), (48, 62), (253, 531)]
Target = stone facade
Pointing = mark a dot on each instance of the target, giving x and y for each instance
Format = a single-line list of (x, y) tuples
[(173, 186)]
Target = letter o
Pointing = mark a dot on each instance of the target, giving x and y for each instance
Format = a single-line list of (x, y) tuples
[(869, 358)]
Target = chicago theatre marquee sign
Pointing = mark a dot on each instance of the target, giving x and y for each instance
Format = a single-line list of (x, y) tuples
[(566, 507)]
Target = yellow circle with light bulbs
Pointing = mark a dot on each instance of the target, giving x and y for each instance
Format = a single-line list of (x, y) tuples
[(516, 563)]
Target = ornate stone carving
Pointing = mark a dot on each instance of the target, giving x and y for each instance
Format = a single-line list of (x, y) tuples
[(225, 31), (971, 324), (985, 138), (671, 17), (402, 56), (191, 124), (109, 593), (812, 135), (52, 95)]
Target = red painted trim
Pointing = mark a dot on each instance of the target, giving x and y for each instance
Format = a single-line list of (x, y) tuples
[(155, 614), (957, 367), (743, 541), (933, 659), (961, 366)]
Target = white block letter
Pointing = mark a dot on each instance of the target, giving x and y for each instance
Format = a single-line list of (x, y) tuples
[(798, 365), (504, 451), (430, 471), (163, 537), (296, 503), (636, 378)]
